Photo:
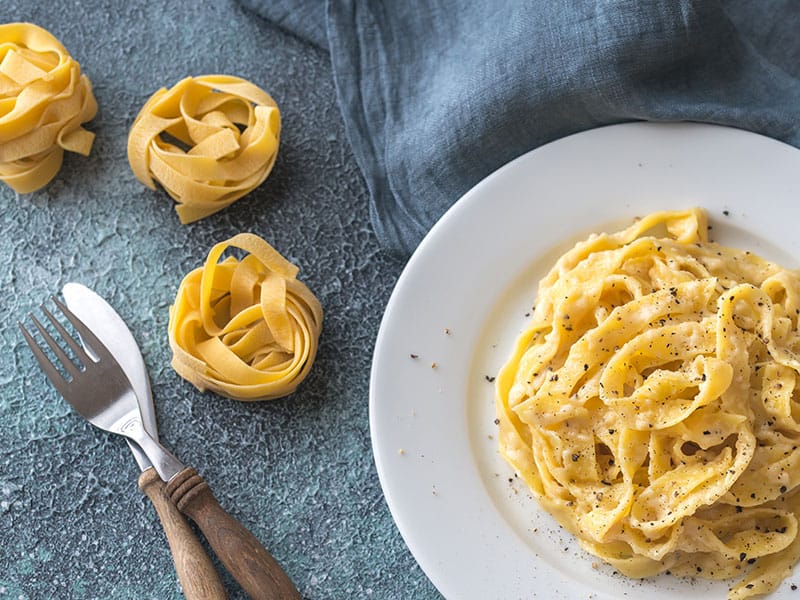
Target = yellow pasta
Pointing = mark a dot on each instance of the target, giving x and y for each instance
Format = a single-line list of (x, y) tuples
[(208, 141), (246, 329), (652, 404), (44, 99)]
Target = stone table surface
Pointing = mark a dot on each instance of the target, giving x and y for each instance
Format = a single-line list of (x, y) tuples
[(299, 471)]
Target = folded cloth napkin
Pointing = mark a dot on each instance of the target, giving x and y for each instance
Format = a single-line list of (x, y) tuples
[(437, 94)]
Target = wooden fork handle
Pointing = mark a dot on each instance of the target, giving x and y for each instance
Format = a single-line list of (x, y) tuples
[(242, 554), (199, 579)]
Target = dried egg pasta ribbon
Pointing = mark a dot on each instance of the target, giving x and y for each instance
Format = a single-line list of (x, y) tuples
[(208, 141), (651, 404), (246, 329), (44, 99)]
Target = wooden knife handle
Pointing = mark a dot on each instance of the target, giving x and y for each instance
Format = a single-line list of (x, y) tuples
[(238, 549), (199, 579)]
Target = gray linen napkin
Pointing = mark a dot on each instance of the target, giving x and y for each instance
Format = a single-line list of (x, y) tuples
[(437, 94)]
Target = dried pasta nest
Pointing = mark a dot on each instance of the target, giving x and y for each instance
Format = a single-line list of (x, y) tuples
[(44, 99), (244, 328), (207, 140)]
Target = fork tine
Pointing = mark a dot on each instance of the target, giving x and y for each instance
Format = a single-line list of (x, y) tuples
[(48, 367), (87, 337), (76, 347), (65, 360)]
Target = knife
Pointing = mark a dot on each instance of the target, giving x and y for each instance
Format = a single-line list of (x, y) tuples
[(198, 577)]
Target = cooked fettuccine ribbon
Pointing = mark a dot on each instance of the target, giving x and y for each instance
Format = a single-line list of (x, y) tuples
[(208, 141), (44, 99), (651, 405), (246, 329)]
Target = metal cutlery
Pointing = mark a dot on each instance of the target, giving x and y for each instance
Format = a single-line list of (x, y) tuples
[(198, 576), (100, 391)]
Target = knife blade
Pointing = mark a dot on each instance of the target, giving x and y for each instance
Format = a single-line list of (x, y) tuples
[(198, 577)]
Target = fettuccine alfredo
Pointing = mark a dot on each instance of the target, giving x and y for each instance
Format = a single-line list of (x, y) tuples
[(651, 405)]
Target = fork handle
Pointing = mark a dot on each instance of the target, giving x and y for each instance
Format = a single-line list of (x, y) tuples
[(242, 554), (199, 579)]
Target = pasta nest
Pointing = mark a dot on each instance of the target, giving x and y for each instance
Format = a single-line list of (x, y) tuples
[(208, 141), (246, 329), (44, 99), (653, 404)]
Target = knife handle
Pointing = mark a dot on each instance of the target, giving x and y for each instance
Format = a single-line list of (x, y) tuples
[(238, 549), (199, 579)]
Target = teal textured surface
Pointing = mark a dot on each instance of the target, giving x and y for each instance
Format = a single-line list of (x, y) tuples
[(299, 471)]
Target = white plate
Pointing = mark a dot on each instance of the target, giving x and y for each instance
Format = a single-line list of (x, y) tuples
[(465, 295)]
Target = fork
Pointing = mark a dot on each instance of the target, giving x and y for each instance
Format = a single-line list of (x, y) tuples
[(101, 392), (111, 406)]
